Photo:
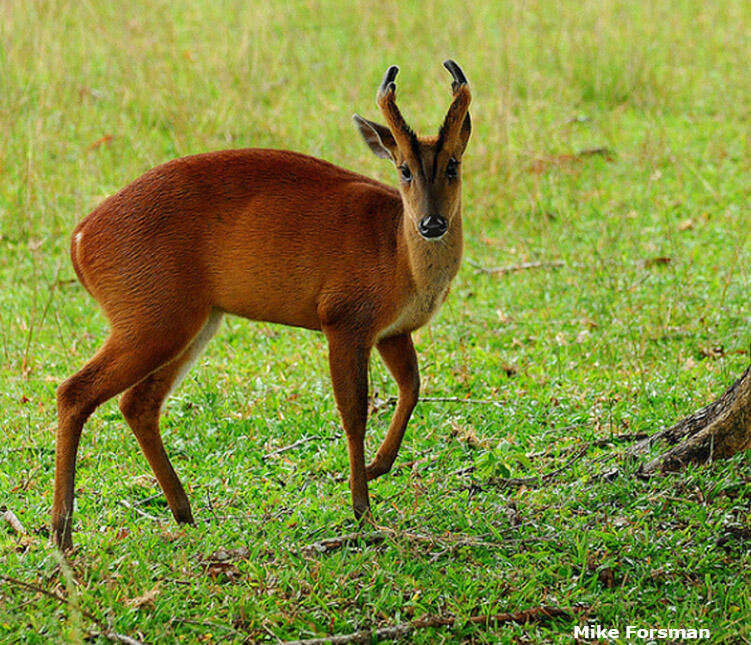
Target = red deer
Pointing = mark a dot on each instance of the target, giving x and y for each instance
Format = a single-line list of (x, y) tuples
[(275, 236)]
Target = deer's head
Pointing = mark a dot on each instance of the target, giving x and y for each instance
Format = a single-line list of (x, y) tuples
[(429, 168)]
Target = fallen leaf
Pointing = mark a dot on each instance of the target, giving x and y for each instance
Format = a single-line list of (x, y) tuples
[(146, 481), (541, 164), (144, 600), (659, 260), (712, 352), (606, 578), (593, 561), (686, 225), (100, 142), (509, 370), (469, 436), (172, 536), (226, 555), (223, 570), (502, 317)]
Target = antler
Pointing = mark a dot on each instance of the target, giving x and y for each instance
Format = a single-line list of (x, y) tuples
[(457, 118), (456, 72), (386, 100)]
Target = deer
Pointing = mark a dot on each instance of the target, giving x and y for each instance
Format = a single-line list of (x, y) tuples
[(275, 236)]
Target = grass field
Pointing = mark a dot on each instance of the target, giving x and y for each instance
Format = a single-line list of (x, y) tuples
[(640, 317)]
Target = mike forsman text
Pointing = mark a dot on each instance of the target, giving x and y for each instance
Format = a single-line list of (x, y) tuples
[(591, 632)]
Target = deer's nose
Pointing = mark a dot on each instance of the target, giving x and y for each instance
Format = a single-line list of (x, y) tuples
[(432, 226)]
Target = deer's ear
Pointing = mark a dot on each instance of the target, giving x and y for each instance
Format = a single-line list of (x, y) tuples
[(378, 137), (465, 132)]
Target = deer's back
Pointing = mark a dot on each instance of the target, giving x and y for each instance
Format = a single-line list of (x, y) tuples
[(261, 233)]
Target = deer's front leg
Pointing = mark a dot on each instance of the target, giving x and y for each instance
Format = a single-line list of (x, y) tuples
[(348, 360), (398, 353)]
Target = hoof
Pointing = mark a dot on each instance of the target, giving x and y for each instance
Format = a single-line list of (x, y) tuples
[(364, 516), (184, 517)]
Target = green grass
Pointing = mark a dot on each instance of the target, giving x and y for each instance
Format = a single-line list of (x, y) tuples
[(613, 342)]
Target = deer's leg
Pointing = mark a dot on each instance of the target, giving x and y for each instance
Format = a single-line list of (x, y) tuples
[(141, 406), (123, 360), (398, 353), (348, 359)]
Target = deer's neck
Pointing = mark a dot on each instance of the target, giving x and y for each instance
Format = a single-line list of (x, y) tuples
[(433, 264), (431, 267)]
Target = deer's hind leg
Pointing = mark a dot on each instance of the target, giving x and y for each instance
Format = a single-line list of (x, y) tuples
[(127, 356), (142, 404)]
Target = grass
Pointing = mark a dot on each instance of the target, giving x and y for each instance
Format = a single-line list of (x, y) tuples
[(647, 321)]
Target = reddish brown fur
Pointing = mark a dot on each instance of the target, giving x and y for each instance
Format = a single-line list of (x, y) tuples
[(240, 227), (267, 235)]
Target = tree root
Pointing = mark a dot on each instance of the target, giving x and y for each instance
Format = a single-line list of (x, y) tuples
[(716, 431)]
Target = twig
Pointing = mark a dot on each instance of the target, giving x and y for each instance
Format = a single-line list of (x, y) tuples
[(105, 631), (222, 555), (210, 505), (531, 481), (135, 509), (51, 288), (413, 465), (121, 638), (454, 541), (25, 484), (581, 451), (392, 400), (150, 498), (203, 623), (405, 629), (15, 523), (291, 446), (597, 443), (526, 481), (524, 266), (458, 399), (30, 586), (463, 471), (350, 539)]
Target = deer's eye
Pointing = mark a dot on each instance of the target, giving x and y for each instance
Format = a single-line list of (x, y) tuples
[(405, 172), (452, 169)]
